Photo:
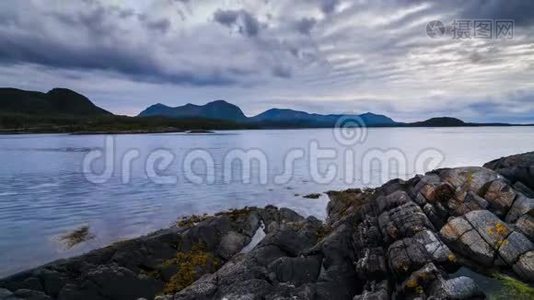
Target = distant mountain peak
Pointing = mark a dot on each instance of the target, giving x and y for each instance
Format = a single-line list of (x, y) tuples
[(216, 110), (440, 122), (58, 89), (160, 105), (57, 101), (220, 101)]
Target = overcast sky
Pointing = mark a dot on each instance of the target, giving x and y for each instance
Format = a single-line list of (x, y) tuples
[(324, 56)]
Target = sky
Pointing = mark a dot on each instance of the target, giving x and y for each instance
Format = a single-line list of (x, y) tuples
[(322, 56)]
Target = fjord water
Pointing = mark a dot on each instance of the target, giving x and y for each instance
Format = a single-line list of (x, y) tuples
[(44, 192)]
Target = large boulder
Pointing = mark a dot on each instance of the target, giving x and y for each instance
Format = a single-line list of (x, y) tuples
[(456, 288), (515, 168)]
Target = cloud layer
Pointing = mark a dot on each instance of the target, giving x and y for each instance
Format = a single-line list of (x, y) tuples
[(324, 56)]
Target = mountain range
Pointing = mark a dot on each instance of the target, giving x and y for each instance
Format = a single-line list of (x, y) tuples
[(64, 110), (275, 117), (216, 110)]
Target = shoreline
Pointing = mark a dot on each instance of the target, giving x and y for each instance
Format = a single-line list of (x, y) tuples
[(179, 130), (404, 239)]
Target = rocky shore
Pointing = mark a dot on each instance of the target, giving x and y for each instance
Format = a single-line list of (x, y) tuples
[(404, 240)]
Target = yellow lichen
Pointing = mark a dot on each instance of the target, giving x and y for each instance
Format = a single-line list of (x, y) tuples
[(498, 229), (411, 283), (191, 265), (469, 178), (501, 243), (501, 229)]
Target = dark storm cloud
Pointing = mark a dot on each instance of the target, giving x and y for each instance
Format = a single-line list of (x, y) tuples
[(100, 44), (96, 19), (281, 71), (162, 24), (521, 11), (133, 63), (226, 17), (251, 26), (305, 25), (328, 6), (247, 24)]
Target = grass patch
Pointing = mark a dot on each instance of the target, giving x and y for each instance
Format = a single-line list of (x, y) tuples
[(512, 289), (77, 236)]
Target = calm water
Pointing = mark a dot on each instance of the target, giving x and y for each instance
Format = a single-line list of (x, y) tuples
[(44, 191)]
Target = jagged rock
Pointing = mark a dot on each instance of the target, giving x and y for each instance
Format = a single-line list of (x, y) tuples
[(522, 188), (436, 214), (525, 224), (439, 192), (30, 295), (521, 206), (5, 294), (73, 292), (500, 196), (52, 281), (427, 179), (516, 168), (469, 202), (524, 266), (116, 282), (338, 259), (467, 179), (249, 289), (296, 270), (371, 263), (204, 288), (456, 288), (515, 245), (339, 203), (290, 241), (491, 229), (392, 200), (367, 233), (402, 221), (479, 234), (288, 292), (460, 234), (406, 256), (439, 252), (231, 243), (374, 291)]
